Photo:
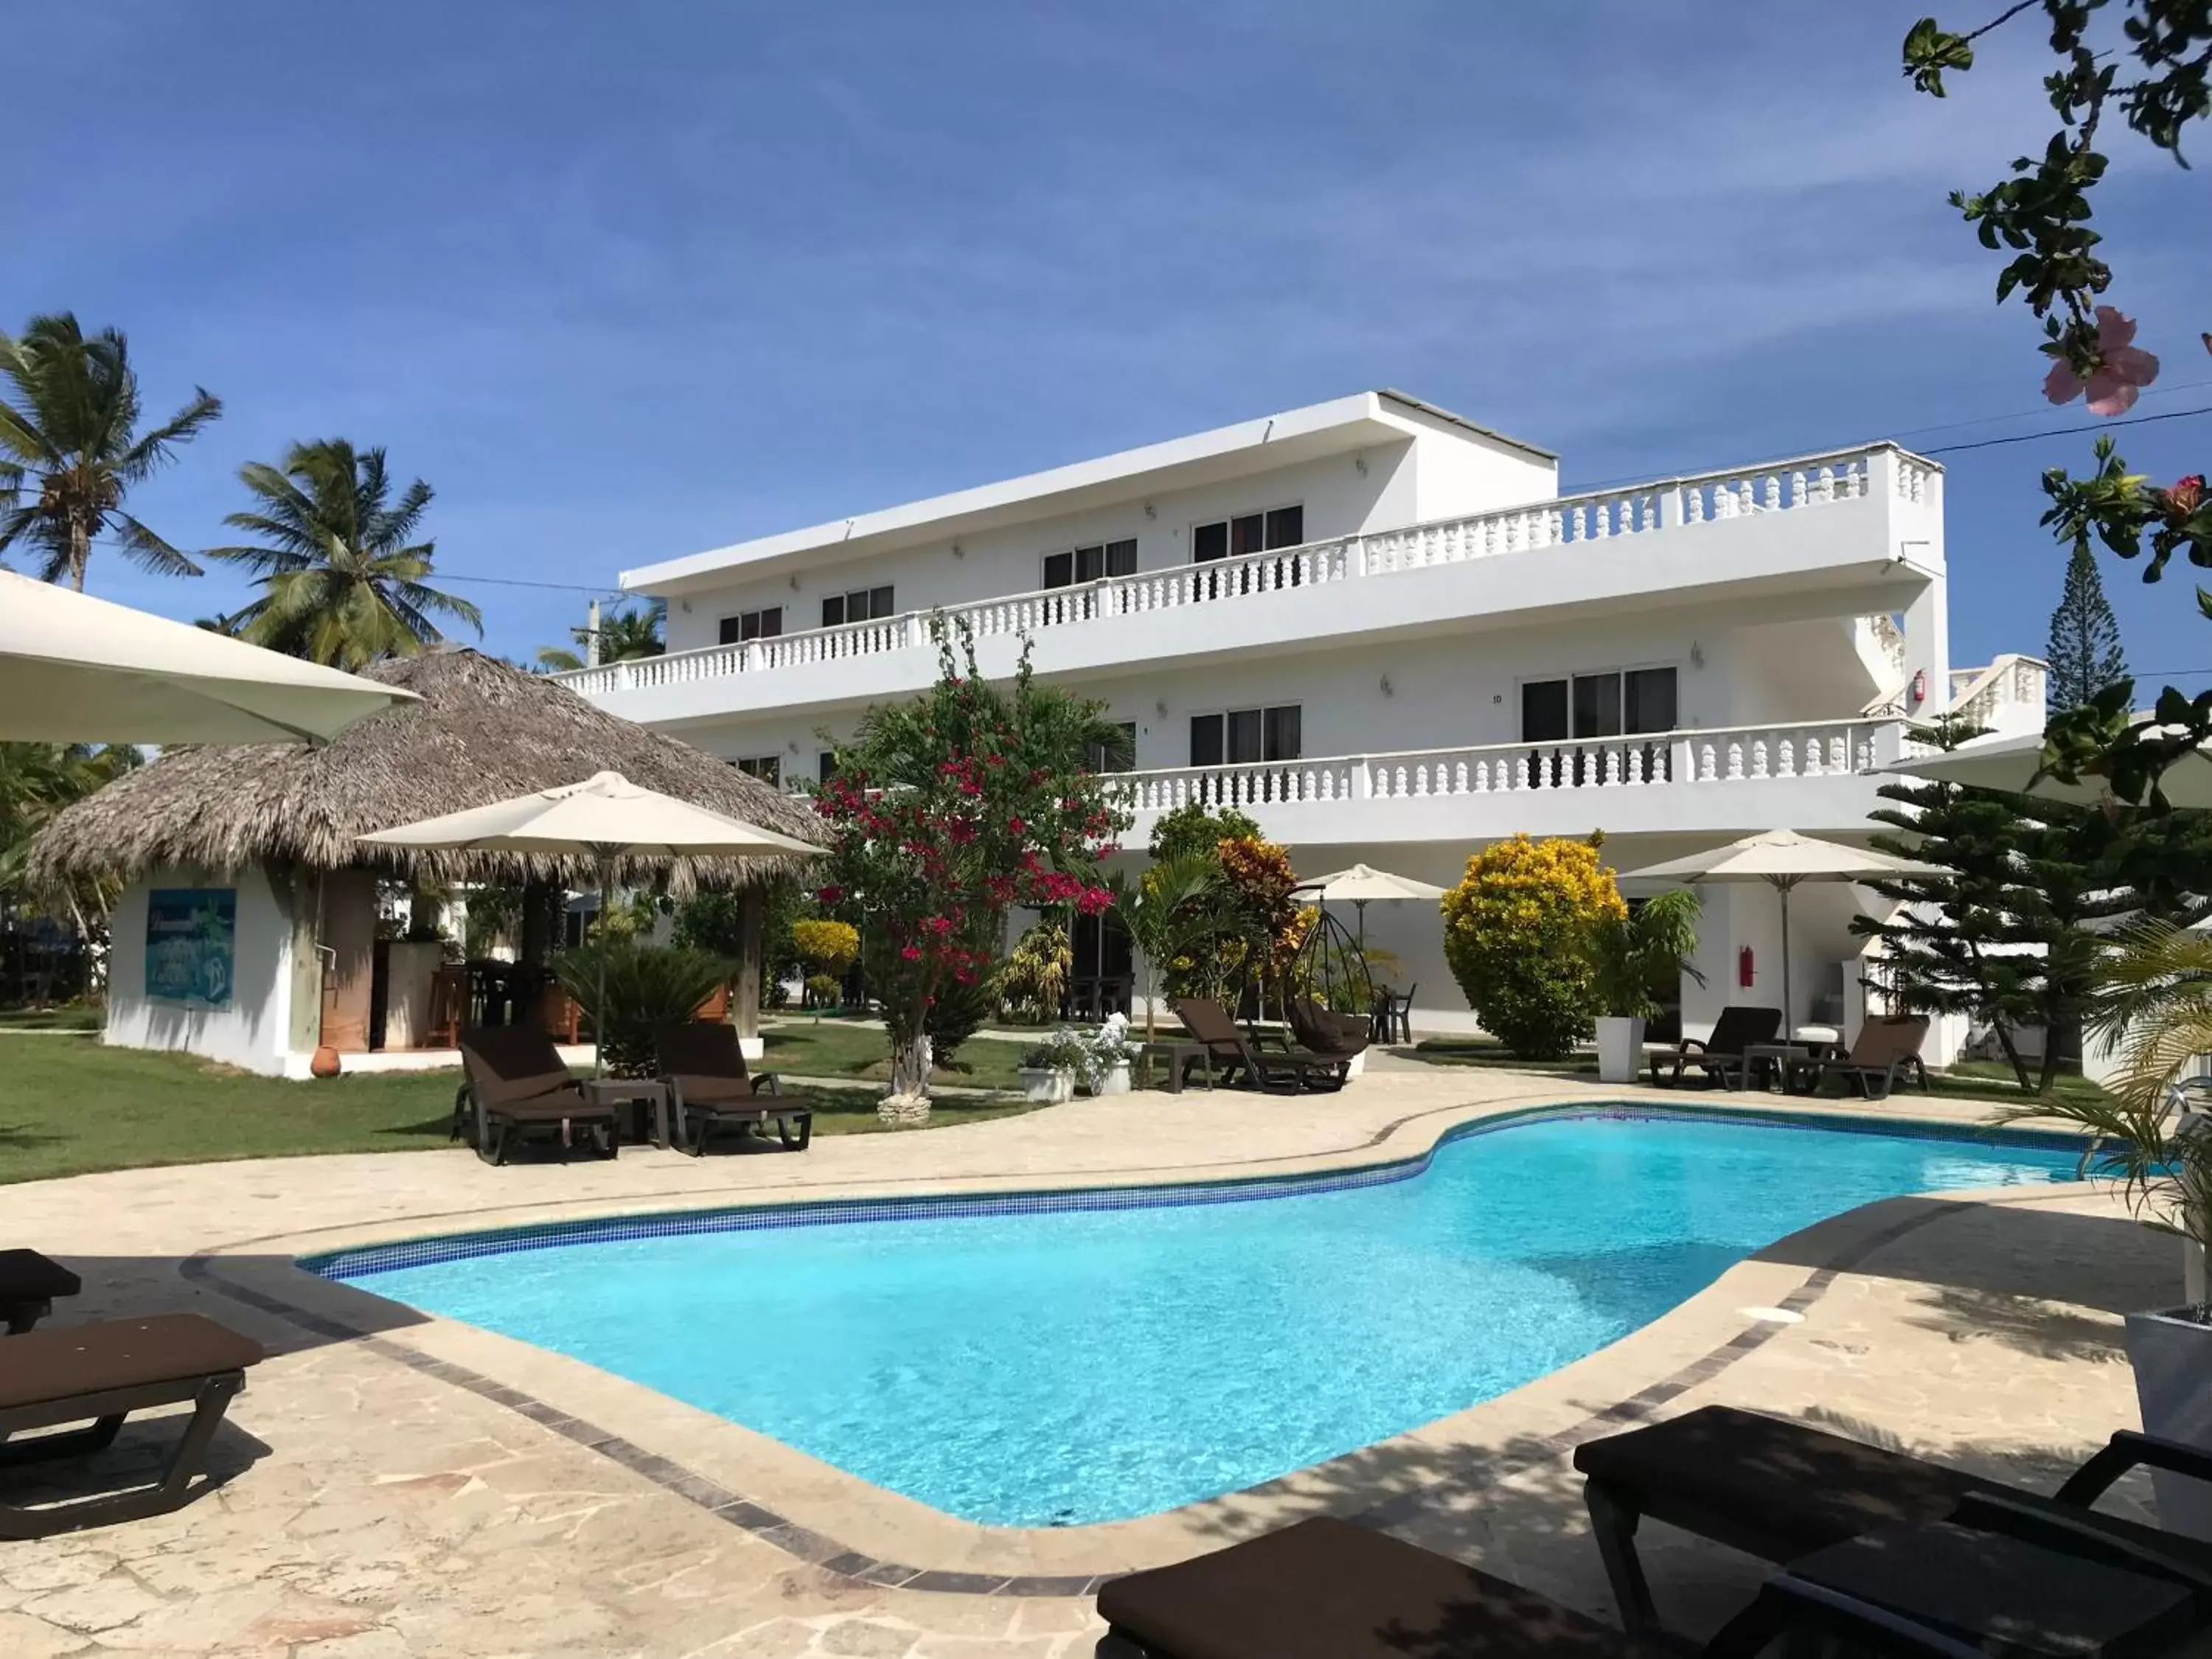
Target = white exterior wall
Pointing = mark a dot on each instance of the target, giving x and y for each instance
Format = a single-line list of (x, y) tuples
[(254, 1032)]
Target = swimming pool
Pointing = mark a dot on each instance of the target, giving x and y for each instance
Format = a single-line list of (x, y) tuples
[(1047, 1366)]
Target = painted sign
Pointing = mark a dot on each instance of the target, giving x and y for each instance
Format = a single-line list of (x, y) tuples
[(192, 941)]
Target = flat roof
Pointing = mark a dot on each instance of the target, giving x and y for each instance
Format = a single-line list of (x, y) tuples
[(1318, 429)]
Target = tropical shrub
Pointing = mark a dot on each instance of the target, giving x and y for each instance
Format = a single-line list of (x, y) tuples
[(822, 992), (1171, 918), (1517, 929), (828, 947), (1640, 953), (647, 987), (1034, 981), (956, 1013), (1193, 829), (1062, 1051)]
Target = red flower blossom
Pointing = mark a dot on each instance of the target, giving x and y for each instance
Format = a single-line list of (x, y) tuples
[(1015, 826), (2186, 495), (831, 894), (912, 953)]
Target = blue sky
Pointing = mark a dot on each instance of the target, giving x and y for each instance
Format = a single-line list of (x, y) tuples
[(626, 282)]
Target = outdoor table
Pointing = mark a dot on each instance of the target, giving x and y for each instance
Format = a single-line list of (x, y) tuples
[(1179, 1056), (1759, 1057), (2004, 1595), (633, 1092)]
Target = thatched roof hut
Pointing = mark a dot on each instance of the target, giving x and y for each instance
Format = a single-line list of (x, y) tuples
[(484, 732)]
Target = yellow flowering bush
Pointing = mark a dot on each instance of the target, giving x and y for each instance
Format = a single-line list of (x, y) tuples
[(1517, 935), (828, 947)]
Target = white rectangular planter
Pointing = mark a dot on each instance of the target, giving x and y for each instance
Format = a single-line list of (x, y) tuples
[(1046, 1085), (1619, 1049), (2171, 1354), (1114, 1080)]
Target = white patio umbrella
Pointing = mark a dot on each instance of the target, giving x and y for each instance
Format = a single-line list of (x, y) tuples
[(1782, 858), (74, 669), (2010, 764), (1360, 886), (606, 816)]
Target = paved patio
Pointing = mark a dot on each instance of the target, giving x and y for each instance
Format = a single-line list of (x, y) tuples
[(426, 1489)]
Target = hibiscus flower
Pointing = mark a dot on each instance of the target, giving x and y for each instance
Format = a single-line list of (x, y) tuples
[(2117, 380)]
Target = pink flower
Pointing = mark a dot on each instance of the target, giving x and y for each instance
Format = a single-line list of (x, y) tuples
[(912, 953), (1015, 826), (2118, 378), (830, 895)]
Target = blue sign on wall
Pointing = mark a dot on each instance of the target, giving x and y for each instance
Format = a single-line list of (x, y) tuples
[(191, 941)]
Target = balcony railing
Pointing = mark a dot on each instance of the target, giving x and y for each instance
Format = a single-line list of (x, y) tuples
[(1812, 481), (1728, 754)]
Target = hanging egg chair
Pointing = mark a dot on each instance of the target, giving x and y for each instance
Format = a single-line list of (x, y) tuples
[(1331, 993)]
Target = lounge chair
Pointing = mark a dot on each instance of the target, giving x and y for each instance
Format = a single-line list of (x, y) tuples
[(1325, 1588), (1780, 1489), (1721, 1055), (1277, 1071), (517, 1086), (29, 1283), (1886, 1051), (704, 1068), (104, 1372), (1324, 1031)]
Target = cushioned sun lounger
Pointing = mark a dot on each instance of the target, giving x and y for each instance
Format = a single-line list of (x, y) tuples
[(29, 1283), (1888, 1052), (1327, 1589), (1277, 1071), (1721, 1055), (103, 1372), (703, 1066), (518, 1085), (1781, 1490)]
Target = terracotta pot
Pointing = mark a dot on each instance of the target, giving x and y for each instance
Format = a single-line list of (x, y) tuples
[(325, 1062)]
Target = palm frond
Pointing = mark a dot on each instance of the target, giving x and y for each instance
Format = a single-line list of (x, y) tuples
[(149, 551), (149, 453)]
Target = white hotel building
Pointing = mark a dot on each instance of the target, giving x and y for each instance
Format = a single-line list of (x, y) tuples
[(1380, 630)]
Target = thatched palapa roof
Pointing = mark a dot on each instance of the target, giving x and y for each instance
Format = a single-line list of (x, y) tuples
[(484, 732)]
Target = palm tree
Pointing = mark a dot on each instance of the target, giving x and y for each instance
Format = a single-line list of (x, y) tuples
[(341, 582), (70, 451), (624, 634)]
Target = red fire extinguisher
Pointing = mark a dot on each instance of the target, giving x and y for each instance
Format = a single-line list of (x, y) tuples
[(1919, 686), (1745, 970)]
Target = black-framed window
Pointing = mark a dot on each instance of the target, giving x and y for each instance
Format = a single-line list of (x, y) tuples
[(1249, 532), (825, 765), (764, 623), (769, 768), (1610, 704), (1099, 758), (1248, 737), (861, 604), (1088, 564)]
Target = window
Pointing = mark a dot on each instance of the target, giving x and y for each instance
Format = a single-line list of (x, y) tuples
[(1617, 702), (1088, 564), (1247, 737), (825, 765), (762, 625), (1606, 705), (1251, 532), (769, 768), (1099, 758), (861, 604)]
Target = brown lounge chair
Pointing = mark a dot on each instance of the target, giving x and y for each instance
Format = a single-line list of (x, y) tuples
[(704, 1068), (1324, 1031), (1887, 1050), (1780, 1490), (1327, 1589), (29, 1283), (1277, 1071), (517, 1086), (104, 1372), (1721, 1055)]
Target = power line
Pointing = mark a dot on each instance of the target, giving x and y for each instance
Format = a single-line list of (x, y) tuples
[(2066, 431)]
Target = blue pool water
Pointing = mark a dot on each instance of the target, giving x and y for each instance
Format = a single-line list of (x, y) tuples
[(1059, 1368)]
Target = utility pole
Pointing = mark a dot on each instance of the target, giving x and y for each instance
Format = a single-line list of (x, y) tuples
[(591, 635)]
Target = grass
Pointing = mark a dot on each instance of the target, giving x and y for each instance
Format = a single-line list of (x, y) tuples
[(68, 1106), (843, 1049), (69, 1018)]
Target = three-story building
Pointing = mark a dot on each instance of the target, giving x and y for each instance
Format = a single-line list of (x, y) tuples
[(1379, 630)]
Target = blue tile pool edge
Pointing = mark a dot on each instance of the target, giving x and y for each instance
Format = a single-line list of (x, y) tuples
[(367, 1260)]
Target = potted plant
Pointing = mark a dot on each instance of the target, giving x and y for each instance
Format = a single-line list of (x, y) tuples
[(1048, 1069), (1107, 1052), (1632, 957), (2150, 1134)]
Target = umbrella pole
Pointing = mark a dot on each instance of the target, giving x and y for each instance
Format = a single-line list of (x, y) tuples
[(599, 1014), (1789, 1030), (1360, 906)]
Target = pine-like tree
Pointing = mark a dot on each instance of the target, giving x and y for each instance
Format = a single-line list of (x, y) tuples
[(2084, 649)]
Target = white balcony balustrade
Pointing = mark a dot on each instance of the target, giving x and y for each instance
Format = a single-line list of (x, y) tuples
[(1569, 521), (1726, 755)]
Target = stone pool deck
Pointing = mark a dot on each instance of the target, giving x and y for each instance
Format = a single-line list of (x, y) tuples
[(395, 1485)]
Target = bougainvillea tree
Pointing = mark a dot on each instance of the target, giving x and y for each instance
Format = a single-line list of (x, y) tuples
[(947, 812)]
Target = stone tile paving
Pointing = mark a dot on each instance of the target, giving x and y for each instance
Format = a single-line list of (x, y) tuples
[(365, 1509)]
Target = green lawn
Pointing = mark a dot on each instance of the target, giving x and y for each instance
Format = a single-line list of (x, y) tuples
[(71, 1018), (841, 1048), (68, 1105)]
